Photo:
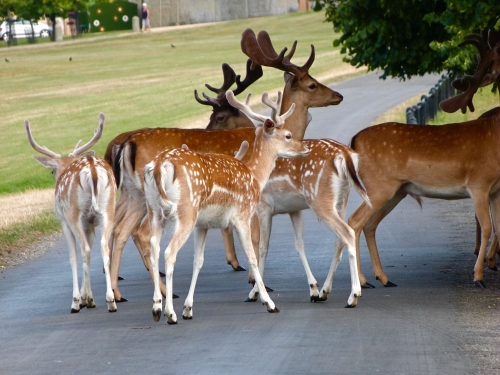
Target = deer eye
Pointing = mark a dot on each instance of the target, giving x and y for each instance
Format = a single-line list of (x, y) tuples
[(313, 86), (288, 136)]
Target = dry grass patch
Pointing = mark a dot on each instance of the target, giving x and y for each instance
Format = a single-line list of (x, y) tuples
[(23, 207)]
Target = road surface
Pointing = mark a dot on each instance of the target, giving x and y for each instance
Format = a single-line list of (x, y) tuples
[(434, 322)]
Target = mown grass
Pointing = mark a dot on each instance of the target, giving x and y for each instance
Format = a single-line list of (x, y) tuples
[(137, 81)]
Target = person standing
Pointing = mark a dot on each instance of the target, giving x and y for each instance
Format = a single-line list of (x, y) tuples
[(145, 17)]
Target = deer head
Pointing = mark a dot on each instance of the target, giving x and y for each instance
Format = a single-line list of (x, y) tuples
[(487, 71), (303, 89), (55, 161), (224, 116)]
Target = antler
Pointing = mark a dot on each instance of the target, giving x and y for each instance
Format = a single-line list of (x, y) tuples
[(487, 71), (245, 108), (97, 134), (253, 74), (229, 78), (260, 49), (41, 149)]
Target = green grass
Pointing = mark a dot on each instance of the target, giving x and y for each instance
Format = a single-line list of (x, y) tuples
[(17, 236), (484, 100), (137, 81)]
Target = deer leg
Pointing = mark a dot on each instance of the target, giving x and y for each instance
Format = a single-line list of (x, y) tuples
[(156, 232), (135, 213), (73, 260), (492, 263), (264, 216), (360, 217), (231, 258), (481, 206), (369, 231), (142, 240), (200, 236), (244, 235), (107, 230), (298, 228), (180, 236), (89, 240), (331, 218), (478, 237)]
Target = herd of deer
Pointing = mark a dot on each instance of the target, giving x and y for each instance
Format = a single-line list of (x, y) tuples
[(238, 175)]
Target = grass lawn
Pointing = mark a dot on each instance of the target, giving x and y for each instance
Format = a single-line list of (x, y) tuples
[(139, 80)]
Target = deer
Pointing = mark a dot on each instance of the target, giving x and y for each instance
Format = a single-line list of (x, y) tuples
[(142, 147), (85, 195), (207, 190), (320, 181), (223, 116), (453, 161)]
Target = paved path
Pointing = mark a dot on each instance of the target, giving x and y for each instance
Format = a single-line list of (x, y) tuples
[(434, 322)]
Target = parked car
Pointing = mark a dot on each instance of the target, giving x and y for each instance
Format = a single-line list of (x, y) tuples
[(22, 29)]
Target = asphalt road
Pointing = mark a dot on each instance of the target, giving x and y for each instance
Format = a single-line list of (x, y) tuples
[(434, 322)]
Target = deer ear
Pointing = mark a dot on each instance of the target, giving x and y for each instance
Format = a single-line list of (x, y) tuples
[(269, 127), (47, 162), (288, 76)]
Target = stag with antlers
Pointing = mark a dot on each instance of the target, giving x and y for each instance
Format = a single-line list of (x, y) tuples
[(211, 191), (300, 86), (453, 161), (84, 198)]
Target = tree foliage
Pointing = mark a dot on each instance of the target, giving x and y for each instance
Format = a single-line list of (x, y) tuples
[(405, 38)]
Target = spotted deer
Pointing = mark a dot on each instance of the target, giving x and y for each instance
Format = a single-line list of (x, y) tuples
[(453, 161), (84, 198), (143, 147), (206, 190), (320, 181)]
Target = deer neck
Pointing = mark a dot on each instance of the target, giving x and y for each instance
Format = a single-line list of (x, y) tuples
[(262, 161), (297, 122)]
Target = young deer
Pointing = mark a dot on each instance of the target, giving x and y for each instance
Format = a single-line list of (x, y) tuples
[(211, 191), (84, 198), (320, 181), (453, 161), (141, 148)]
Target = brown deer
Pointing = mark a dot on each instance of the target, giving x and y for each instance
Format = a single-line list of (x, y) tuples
[(211, 191), (453, 161), (143, 147), (84, 198)]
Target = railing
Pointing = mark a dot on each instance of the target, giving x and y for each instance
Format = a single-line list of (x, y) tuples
[(428, 106)]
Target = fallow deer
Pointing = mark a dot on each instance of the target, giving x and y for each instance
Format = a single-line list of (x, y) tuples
[(453, 161), (320, 181), (211, 191), (223, 116), (84, 198), (143, 147)]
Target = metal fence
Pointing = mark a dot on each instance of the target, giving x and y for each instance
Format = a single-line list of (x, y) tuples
[(428, 106)]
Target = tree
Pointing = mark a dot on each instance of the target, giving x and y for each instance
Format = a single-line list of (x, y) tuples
[(405, 38)]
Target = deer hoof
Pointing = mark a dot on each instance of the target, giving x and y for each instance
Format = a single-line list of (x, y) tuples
[(74, 311), (273, 311), (368, 286), (175, 295), (156, 315), (239, 268), (120, 278), (269, 290), (349, 306), (121, 300), (248, 299), (390, 285), (480, 284)]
